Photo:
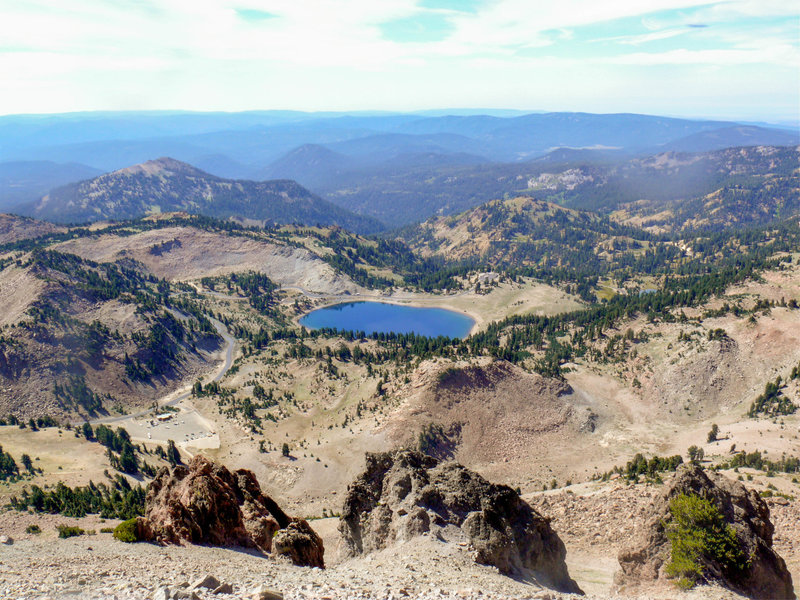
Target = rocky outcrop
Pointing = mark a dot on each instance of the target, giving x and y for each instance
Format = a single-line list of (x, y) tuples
[(643, 564), (204, 503), (404, 494), (300, 543)]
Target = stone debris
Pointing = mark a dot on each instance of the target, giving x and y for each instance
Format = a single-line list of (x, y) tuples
[(425, 567), (265, 593)]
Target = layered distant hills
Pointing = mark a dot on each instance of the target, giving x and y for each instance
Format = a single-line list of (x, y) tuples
[(392, 169), (592, 180), (240, 145), (168, 185)]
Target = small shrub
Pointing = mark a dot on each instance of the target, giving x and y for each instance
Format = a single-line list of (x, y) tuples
[(126, 532), (107, 530), (68, 531), (698, 534), (33, 529)]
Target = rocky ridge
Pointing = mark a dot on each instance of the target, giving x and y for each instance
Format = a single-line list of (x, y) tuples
[(405, 494)]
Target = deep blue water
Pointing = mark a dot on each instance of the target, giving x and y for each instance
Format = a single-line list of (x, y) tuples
[(372, 317)]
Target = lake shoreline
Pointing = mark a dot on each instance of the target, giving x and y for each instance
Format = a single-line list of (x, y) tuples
[(423, 314)]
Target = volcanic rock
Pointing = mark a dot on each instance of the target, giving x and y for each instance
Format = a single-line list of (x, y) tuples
[(403, 494), (644, 562), (300, 543), (204, 503)]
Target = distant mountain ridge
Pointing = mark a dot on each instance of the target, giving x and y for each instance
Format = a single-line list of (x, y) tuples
[(169, 185), (735, 136), (230, 144), (24, 181), (397, 168), (309, 165), (594, 180)]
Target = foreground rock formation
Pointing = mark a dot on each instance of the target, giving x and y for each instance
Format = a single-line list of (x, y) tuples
[(204, 503), (404, 494), (643, 564)]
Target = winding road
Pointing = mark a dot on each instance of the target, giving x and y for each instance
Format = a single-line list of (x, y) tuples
[(231, 342), (224, 368)]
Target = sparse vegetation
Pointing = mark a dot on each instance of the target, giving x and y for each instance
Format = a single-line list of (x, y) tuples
[(8, 466), (119, 500), (641, 466), (68, 531), (772, 402), (126, 532)]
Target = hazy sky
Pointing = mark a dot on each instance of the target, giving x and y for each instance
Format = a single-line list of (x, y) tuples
[(738, 59)]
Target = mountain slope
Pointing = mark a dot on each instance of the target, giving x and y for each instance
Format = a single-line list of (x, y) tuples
[(600, 181), (524, 232), (168, 185), (309, 164), (738, 187), (729, 137), (81, 337)]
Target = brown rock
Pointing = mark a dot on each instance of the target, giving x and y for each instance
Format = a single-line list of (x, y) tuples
[(225, 588), (402, 494), (300, 543), (204, 503), (208, 582), (265, 593), (644, 562)]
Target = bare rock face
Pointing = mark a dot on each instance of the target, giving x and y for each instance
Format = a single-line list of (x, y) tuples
[(644, 562), (404, 494), (204, 503)]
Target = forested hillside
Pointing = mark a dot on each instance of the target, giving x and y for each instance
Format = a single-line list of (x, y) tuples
[(167, 185)]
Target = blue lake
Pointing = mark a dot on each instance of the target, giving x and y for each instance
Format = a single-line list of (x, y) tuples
[(380, 317)]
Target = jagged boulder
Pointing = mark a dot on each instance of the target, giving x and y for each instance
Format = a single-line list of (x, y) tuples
[(403, 494), (644, 562), (204, 503)]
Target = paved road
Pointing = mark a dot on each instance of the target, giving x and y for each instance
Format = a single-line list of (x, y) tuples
[(231, 342), (226, 365), (231, 345)]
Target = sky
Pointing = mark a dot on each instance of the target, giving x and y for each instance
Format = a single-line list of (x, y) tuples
[(724, 59)]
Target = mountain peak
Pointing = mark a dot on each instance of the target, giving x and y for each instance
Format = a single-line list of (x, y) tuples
[(166, 185), (164, 164)]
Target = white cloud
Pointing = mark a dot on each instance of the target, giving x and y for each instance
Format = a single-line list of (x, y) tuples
[(184, 53)]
